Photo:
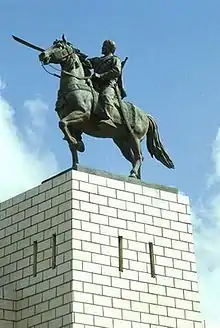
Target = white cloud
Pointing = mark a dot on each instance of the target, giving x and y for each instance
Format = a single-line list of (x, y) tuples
[(214, 177), (206, 221), (25, 160), (2, 84), (37, 110)]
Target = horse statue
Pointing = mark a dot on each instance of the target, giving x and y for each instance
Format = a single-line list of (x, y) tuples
[(75, 106)]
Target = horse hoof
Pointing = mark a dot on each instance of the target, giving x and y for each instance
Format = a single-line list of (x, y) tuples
[(133, 175), (80, 146)]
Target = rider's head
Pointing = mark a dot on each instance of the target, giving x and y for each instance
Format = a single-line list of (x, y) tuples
[(108, 47)]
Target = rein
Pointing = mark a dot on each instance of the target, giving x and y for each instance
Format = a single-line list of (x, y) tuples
[(54, 74), (65, 72)]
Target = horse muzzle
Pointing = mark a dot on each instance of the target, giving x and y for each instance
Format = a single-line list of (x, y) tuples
[(44, 58)]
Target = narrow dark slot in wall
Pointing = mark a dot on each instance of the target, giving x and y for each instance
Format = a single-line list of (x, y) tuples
[(34, 258), (120, 252), (152, 260), (53, 251)]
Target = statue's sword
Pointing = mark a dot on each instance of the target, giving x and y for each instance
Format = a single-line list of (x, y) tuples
[(27, 44)]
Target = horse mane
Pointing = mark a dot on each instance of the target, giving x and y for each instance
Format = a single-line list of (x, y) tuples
[(82, 58)]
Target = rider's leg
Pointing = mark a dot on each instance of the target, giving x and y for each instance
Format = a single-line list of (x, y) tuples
[(106, 98)]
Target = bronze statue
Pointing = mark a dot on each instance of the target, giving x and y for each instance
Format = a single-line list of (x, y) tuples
[(93, 104)]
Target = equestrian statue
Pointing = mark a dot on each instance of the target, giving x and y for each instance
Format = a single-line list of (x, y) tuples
[(90, 100)]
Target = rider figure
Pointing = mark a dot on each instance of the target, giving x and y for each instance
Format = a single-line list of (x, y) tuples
[(107, 74)]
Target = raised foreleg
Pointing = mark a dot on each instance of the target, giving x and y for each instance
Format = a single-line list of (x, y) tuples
[(70, 125)]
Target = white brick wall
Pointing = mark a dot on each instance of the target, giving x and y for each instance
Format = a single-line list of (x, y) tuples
[(88, 212), (7, 308)]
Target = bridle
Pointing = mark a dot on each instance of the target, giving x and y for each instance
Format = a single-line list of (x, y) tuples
[(88, 78), (63, 71)]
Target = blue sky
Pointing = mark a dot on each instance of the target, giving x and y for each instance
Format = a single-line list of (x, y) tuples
[(173, 73)]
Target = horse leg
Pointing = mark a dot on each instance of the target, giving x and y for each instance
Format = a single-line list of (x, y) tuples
[(78, 136), (125, 150), (135, 145), (63, 125), (67, 126), (75, 159), (128, 154), (75, 130), (139, 170)]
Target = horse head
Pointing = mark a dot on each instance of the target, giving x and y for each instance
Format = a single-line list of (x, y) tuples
[(59, 52)]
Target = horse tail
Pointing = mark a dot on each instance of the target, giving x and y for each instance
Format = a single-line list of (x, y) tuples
[(154, 145)]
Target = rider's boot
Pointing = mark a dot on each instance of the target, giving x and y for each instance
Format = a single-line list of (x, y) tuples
[(105, 116)]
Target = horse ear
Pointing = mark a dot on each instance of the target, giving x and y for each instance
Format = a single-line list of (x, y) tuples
[(63, 38)]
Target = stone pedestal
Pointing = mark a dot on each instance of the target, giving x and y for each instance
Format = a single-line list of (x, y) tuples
[(87, 249)]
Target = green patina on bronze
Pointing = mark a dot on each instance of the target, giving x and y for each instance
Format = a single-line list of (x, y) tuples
[(90, 100)]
